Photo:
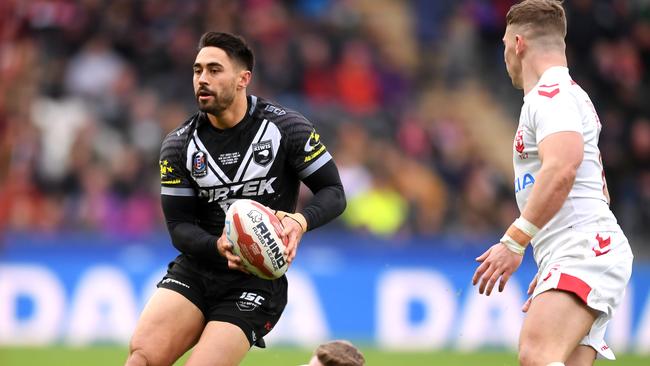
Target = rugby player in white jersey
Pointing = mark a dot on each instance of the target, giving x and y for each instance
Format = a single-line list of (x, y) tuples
[(584, 259)]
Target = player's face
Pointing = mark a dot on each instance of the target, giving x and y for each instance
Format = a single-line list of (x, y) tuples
[(513, 63), (215, 80)]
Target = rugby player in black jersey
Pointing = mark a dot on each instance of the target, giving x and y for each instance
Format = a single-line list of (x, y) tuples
[(236, 146)]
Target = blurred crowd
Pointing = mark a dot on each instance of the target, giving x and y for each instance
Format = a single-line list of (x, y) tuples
[(411, 98)]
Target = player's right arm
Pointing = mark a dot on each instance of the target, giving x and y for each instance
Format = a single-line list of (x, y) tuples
[(558, 131), (179, 201), (190, 238), (561, 154)]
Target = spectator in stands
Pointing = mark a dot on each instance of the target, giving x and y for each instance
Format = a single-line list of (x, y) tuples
[(87, 86)]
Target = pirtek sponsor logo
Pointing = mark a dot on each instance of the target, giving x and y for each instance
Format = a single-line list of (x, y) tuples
[(255, 187)]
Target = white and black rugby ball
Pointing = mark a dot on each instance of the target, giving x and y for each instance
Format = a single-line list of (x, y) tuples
[(253, 229)]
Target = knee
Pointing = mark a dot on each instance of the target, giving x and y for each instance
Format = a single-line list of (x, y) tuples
[(526, 356), (142, 354), (531, 355), (137, 357)]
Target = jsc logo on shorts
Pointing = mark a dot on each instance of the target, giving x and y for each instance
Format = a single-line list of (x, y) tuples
[(249, 301)]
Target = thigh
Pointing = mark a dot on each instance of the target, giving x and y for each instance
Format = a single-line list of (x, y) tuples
[(170, 324), (582, 356), (554, 326), (221, 344)]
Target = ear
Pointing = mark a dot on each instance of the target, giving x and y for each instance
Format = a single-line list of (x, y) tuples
[(520, 44), (244, 79)]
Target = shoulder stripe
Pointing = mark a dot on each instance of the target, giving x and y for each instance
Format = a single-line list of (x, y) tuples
[(550, 94), (174, 191), (249, 153), (273, 135), (315, 165)]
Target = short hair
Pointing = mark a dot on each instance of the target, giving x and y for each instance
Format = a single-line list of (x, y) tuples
[(540, 17), (234, 46), (339, 353)]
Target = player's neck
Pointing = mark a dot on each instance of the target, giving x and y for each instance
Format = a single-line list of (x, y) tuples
[(534, 68), (230, 117)]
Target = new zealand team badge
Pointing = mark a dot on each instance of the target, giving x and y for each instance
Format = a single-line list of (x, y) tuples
[(263, 152), (199, 166)]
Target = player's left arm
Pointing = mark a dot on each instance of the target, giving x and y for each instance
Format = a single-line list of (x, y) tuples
[(313, 164), (327, 203)]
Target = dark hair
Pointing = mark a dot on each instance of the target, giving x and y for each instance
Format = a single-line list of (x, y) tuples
[(543, 16), (339, 353), (234, 46)]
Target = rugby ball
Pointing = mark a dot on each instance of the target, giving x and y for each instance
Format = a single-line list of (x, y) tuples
[(253, 229)]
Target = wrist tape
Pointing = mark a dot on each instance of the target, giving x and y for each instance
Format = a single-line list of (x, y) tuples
[(526, 226), (512, 245)]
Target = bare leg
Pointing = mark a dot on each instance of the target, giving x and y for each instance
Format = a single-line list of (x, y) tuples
[(221, 344), (555, 324), (169, 325), (582, 356)]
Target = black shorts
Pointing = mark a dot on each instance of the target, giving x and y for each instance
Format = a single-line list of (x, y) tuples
[(251, 303)]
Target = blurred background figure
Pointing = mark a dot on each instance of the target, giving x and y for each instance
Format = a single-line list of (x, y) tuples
[(337, 353)]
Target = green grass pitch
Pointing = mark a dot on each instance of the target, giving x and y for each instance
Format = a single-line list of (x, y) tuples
[(277, 356)]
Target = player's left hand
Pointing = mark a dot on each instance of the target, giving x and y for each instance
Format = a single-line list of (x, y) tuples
[(497, 262), (294, 226), (531, 289)]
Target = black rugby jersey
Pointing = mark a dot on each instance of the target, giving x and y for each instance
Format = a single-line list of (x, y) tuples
[(264, 157)]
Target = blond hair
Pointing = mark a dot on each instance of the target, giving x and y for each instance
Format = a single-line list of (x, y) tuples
[(539, 18), (339, 353)]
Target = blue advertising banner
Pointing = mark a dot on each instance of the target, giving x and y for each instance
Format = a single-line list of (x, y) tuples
[(415, 294)]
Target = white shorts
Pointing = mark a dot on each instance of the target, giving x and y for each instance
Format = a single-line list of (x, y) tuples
[(596, 267)]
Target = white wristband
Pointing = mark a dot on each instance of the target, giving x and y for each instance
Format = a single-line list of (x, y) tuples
[(526, 226), (512, 245)]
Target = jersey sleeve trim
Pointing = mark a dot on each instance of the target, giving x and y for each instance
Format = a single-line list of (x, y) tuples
[(253, 105), (179, 192), (322, 160)]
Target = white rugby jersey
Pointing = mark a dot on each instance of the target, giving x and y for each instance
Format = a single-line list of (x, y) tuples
[(558, 104)]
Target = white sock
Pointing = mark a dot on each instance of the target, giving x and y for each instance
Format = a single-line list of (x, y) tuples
[(556, 364)]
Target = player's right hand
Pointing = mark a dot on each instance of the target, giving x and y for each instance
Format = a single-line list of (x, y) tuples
[(531, 288), (225, 249), (497, 264)]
